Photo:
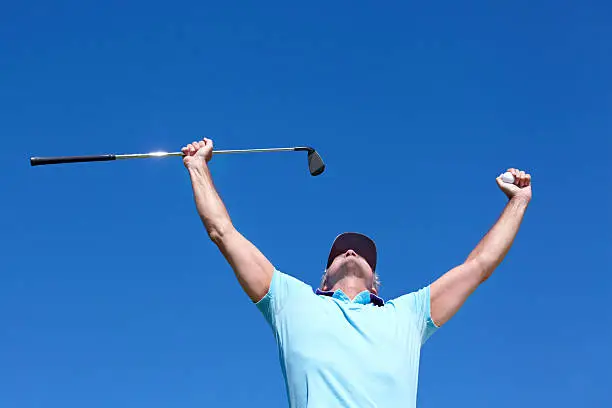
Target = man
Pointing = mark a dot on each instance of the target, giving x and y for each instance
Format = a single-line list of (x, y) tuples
[(342, 345)]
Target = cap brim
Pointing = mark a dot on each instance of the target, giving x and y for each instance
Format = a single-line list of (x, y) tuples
[(361, 244)]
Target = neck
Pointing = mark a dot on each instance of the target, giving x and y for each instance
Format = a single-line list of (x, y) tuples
[(351, 286)]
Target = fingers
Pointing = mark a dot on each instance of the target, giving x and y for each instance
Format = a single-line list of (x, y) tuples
[(192, 148), (526, 179), (521, 179), (187, 150), (206, 142)]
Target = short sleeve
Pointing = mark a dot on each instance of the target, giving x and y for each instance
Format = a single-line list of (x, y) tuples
[(282, 288), (416, 305)]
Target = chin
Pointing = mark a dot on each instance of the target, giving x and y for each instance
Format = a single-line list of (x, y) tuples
[(354, 267)]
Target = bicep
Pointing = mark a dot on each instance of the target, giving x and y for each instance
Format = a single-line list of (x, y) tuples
[(253, 270), (451, 290)]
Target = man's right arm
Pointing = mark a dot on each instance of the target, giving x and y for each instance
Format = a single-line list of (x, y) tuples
[(253, 270)]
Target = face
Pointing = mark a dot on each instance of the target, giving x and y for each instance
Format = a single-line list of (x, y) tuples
[(349, 264)]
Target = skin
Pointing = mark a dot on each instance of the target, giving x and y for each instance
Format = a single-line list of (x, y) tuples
[(252, 269), (349, 271)]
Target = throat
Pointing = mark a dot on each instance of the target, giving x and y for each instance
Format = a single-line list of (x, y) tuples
[(351, 286)]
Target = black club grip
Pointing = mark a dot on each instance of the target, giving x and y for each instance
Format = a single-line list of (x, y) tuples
[(38, 161)]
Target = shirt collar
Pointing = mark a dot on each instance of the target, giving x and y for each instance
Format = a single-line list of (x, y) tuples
[(364, 297)]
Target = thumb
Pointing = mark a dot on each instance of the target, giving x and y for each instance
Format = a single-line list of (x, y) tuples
[(500, 182)]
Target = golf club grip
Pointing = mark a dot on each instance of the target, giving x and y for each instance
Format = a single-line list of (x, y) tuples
[(38, 161)]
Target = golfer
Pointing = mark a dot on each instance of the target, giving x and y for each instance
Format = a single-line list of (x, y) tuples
[(342, 345)]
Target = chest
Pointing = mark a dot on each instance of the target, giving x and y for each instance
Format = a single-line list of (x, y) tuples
[(329, 331)]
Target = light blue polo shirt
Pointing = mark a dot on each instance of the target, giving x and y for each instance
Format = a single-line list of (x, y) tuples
[(335, 352)]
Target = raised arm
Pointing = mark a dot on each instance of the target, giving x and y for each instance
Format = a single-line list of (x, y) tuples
[(452, 289), (251, 267)]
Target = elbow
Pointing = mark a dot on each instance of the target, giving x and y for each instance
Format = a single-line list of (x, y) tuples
[(483, 266), (218, 233)]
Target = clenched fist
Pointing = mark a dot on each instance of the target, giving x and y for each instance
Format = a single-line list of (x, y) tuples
[(521, 188), (197, 154)]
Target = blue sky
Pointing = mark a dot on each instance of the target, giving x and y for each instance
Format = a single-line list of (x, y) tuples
[(111, 293)]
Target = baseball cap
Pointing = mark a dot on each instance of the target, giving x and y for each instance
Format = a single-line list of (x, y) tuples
[(360, 243)]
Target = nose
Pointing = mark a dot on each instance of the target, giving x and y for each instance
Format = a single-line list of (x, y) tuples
[(350, 252)]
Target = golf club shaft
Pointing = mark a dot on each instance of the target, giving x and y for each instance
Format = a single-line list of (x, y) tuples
[(37, 161), (165, 154)]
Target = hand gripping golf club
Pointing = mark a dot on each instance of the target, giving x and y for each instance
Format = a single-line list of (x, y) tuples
[(315, 163)]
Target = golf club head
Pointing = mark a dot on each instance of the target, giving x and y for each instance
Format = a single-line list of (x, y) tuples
[(315, 163)]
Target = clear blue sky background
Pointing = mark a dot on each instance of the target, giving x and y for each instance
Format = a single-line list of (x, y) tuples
[(111, 294)]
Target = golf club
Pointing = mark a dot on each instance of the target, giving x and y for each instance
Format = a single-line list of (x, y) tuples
[(315, 163)]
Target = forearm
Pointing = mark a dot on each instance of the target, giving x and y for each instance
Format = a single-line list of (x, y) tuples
[(252, 268), (449, 292), (209, 205), (494, 246)]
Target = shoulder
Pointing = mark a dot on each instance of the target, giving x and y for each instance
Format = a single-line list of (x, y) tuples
[(415, 303), (285, 290), (283, 286), (284, 280)]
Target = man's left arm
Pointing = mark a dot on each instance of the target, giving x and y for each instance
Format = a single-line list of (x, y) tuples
[(451, 290)]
